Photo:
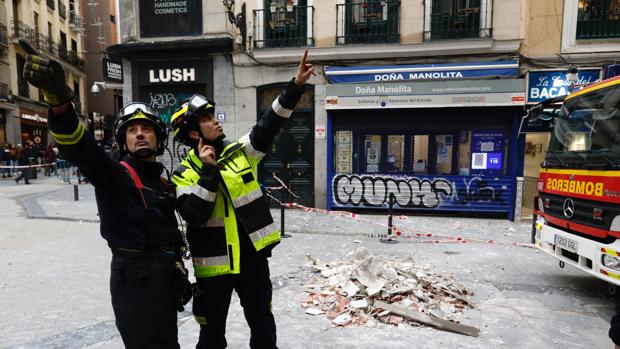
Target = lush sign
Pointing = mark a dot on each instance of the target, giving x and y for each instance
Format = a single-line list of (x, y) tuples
[(162, 18), (112, 70)]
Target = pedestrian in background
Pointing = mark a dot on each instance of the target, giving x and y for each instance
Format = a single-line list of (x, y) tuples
[(5, 155), (50, 160), (13, 159), (23, 161), (136, 207), (230, 230)]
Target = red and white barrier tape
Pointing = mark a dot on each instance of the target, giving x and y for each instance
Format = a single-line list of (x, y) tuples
[(396, 233), (399, 233), (28, 166), (283, 186)]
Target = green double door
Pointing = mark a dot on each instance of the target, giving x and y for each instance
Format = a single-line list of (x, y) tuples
[(291, 157)]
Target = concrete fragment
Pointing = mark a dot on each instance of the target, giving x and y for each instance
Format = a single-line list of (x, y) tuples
[(342, 319), (314, 311), (350, 288), (361, 303)]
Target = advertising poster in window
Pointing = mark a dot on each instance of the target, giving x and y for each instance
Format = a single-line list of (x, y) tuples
[(162, 18), (487, 152)]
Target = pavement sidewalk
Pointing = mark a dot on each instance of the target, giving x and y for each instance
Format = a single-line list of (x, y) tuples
[(522, 299)]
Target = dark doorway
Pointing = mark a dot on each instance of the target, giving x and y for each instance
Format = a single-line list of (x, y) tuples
[(291, 157)]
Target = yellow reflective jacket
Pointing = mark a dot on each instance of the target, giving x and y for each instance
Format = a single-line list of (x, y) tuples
[(213, 199)]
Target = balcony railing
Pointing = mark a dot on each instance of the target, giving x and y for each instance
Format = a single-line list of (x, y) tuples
[(46, 44), (290, 26), (4, 91), (371, 21), (456, 22), (4, 37), (51, 4), (597, 20), (72, 58), (75, 21), (22, 31), (62, 11), (23, 89), (62, 52)]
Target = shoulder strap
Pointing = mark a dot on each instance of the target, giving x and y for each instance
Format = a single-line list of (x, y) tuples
[(136, 180)]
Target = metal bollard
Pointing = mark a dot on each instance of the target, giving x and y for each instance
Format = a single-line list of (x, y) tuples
[(76, 197), (282, 208), (390, 239)]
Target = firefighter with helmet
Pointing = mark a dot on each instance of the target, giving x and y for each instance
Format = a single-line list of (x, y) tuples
[(230, 230), (136, 207)]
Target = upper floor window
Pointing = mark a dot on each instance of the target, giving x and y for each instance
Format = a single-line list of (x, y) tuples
[(598, 19), (368, 21), (457, 19), (283, 23)]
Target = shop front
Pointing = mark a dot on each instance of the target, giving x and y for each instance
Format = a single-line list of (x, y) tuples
[(447, 145), (164, 84), (33, 127)]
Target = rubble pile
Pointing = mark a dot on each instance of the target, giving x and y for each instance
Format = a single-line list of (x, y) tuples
[(358, 291)]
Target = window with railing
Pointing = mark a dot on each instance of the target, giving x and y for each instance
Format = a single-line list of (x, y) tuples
[(62, 11), (51, 4), (22, 31), (284, 23), (458, 19), (4, 91), (598, 19), (368, 21), (4, 37)]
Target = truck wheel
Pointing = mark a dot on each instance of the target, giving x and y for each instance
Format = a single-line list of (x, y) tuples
[(562, 264)]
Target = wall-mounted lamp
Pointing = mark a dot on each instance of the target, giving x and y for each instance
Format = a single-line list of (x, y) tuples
[(99, 86), (237, 20), (573, 74)]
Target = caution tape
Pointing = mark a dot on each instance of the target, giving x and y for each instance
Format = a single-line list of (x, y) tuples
[(28, 166), (396, 233), (283, 186)]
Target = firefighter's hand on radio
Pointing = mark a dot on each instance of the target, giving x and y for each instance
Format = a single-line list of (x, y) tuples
[(206, 153), (46, 74)]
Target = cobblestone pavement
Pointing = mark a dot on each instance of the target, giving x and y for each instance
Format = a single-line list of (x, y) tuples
[(54, 290)]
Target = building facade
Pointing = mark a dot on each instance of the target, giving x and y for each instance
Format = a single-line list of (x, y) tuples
[(55, 28), (420, 99), (102, 71), (173, 50), (559, 35)]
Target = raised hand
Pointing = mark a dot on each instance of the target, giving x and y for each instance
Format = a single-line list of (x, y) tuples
[(46, 74), (206, 153), (304, 71)]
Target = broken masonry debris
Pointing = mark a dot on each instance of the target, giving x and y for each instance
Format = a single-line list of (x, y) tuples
[(364, 289)]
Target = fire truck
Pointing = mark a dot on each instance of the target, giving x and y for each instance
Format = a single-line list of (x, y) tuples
[(577, 210)]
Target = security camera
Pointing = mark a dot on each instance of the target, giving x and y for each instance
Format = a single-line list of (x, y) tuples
[(96, 89)]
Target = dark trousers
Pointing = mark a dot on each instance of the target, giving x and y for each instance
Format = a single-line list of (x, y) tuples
[(25, 175), (254, 289), (144, 301)]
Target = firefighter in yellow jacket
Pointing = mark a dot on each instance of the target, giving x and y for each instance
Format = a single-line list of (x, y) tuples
[(229, 227)]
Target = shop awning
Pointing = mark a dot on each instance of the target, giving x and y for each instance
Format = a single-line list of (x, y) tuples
[(433, 94), (442, 71)]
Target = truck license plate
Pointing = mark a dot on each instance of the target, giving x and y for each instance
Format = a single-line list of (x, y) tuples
[(566, 243)]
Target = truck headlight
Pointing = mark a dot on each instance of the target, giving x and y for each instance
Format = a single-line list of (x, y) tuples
[(611, 262), (541, 206)]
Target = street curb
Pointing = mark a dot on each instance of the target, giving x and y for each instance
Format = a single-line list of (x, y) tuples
[(35, 211)]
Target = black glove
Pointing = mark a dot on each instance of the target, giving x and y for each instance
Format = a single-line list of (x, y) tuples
[(46, 74)]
